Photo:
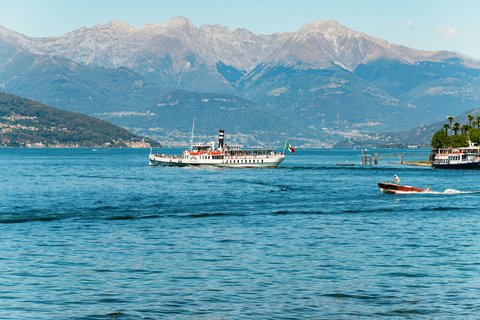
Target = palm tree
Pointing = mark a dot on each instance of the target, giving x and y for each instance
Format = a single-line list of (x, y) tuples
[(474, 123), (470, 118), (478, 121), (451, 120), (446, 126), (456, 127), (464, 128)]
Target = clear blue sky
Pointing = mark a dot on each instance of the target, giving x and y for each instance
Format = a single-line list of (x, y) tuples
[(421, 24)]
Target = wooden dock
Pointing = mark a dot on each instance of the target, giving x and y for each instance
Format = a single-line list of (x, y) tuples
[(368, 159)]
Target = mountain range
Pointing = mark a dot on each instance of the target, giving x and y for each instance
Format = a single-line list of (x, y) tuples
[(324, 82)]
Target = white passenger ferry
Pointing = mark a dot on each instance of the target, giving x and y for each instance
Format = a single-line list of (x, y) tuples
[(222, 156), (458, 158)]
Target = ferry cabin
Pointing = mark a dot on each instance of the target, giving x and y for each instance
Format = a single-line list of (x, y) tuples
[(203, 154)]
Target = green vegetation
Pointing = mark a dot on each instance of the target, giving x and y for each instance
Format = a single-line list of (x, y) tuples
[(442, 138), (25, 122)]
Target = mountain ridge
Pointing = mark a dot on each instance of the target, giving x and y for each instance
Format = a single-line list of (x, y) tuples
[(323, 39)]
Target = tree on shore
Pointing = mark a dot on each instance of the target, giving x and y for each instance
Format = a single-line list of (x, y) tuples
[(470, 118), (446, 126), (441, 139), (451, 120), (456, 127)]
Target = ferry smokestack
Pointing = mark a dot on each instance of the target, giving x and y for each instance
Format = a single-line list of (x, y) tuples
[(220, 139)]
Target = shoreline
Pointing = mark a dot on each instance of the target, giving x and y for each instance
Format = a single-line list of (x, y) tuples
[(418, 163)]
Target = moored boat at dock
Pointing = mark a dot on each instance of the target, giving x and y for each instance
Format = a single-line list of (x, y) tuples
[(458, 158), (222, 156)]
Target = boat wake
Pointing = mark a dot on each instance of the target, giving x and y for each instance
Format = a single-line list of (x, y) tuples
[(452, 191)]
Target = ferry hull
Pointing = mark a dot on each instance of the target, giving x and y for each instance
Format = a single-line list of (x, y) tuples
[(243, 163), (167, 162), (391, 188), (471, 165)]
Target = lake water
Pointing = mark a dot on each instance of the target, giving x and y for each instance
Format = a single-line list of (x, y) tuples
[(101, 235)]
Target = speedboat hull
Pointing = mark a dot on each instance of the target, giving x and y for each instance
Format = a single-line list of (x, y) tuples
[(391, 188)]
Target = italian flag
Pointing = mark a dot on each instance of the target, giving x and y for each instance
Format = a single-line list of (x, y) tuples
[(289, 147)]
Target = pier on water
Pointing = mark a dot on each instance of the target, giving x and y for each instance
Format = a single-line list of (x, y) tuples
[(368, 159)]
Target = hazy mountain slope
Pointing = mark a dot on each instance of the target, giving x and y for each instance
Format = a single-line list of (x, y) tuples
[(331, 100), (420, 135), (436, 87), (71, 86), (244, 121)]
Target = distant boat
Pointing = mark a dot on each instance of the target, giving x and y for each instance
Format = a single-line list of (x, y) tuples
[(345, 164), (222, 156), (392, 188)]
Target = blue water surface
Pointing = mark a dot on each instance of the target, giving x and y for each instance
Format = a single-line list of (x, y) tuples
[(100, 234)]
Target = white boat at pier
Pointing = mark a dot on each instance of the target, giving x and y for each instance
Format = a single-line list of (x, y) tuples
[(458, 158)]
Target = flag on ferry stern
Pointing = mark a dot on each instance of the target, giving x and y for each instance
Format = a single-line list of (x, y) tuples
[(289, 147)]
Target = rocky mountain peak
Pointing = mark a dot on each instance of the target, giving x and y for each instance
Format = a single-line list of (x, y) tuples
[(178, 22), (120, 25), (215, 28), (322, 24), (329, 29), (172, 26), (113, 28)]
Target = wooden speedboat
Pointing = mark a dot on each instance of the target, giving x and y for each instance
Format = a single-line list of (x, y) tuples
[(392, 188)]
